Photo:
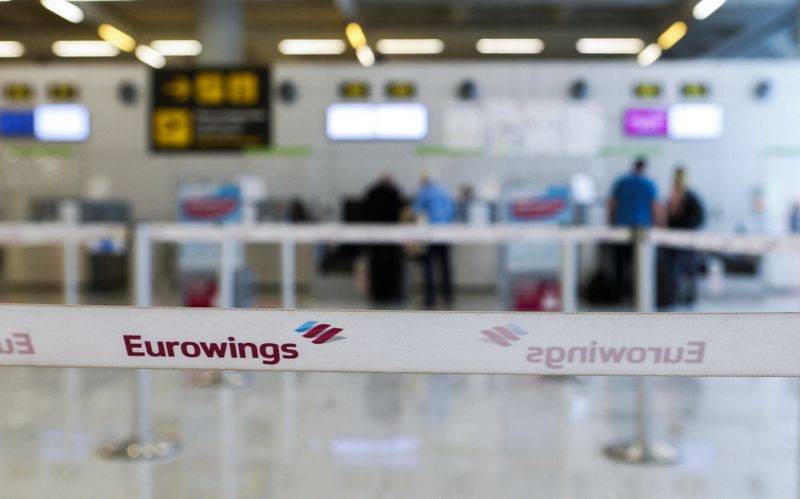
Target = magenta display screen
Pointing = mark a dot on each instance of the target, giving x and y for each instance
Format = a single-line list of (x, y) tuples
[(646, 122)]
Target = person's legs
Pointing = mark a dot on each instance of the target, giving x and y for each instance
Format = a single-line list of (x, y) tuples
[(447, 280), (623, 269), (430, 298)]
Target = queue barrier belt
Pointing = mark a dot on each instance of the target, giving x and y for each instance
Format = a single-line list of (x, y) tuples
[(675, 344), (33, 234)]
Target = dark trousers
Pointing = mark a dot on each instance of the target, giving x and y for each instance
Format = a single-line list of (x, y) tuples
[(623, 270), (438, 255)]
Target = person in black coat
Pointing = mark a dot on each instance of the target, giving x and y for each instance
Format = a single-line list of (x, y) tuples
[(383, 203), (684, 212)]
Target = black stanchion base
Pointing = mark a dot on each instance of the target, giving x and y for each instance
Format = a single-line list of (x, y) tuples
[(131, 449), (643, 453)]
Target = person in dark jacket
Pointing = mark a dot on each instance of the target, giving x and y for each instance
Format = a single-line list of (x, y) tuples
[(684, 212), (383, 203)]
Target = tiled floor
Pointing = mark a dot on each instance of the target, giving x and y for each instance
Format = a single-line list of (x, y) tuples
[(400, 436)]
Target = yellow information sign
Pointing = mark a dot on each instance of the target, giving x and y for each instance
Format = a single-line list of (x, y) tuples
[(18, 92), (210, 109), (62, 92), (172, 128)]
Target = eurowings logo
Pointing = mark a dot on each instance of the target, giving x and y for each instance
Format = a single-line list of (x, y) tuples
[(504, 335), (321, 333)]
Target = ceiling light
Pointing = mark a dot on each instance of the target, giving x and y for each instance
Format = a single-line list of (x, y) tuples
[(609, 45), (84, 48), (311, 47), (177, 47), (355, 35), (11, 49), (672, 35), (510, 46), (365, 56), (150, 56), (116, 37), (410, 46), (71, 13), (649, 55), (705, 8)]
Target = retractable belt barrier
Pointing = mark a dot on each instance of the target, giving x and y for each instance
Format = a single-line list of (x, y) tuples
[(451, 342), (40, 234), (415, 342), (377, 233)]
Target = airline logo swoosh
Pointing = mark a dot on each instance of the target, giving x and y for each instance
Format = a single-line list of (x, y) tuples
[(504, 336), (321, 333)]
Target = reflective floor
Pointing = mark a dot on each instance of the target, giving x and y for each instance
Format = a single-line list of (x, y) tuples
[(400, 436)]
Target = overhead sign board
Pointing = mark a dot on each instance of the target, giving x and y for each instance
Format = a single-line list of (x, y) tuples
[(695, 90), (62, 92), (647, 90), (354, 90), (401, 90), (213, 109), (18, 92)]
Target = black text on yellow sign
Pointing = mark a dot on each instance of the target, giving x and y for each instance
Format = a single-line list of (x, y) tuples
[(214, 88), (62, 92), (401, 89), (354, 90), (18, 92), (647, 90), (694, 90)]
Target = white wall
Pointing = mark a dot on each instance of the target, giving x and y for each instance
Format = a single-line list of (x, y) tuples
[(725, 172)]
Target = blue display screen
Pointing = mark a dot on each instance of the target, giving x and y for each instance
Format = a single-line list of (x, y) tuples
[(16, 123)]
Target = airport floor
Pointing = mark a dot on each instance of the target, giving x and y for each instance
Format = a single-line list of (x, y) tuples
[(312, 435)]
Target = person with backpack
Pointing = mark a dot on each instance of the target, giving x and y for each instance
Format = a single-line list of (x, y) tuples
[(684, 212)]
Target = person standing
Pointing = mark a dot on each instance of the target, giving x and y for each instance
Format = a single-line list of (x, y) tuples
[(437, 206), (383, 203), (684, 212), (633, 203)]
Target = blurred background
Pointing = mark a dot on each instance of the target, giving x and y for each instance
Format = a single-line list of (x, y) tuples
[(469, 112)]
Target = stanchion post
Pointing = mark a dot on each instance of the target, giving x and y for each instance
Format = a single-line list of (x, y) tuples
[(643, 449), (227, 266), (569, 276), (289, 379), (68, 213), (288, 285), (144, 443)]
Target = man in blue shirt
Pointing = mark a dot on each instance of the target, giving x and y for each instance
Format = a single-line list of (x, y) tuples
[(633, 203), (633, 199), (437, 206)]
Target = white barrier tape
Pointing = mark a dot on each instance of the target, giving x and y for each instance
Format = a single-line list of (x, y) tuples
[(398, 234), (727, 243), (25, 234), (403, 342)]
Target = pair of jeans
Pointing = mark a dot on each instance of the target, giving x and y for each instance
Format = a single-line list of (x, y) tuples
[(438, 255)]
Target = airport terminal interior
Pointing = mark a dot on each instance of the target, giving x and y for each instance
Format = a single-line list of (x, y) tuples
[(523, 159)]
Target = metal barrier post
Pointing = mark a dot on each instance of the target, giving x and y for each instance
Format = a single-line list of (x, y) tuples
[(144, 443), (288, 378), (288, 288), (569, 276), (69, 216), (68, 213), (227, 268), (643, 449)]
